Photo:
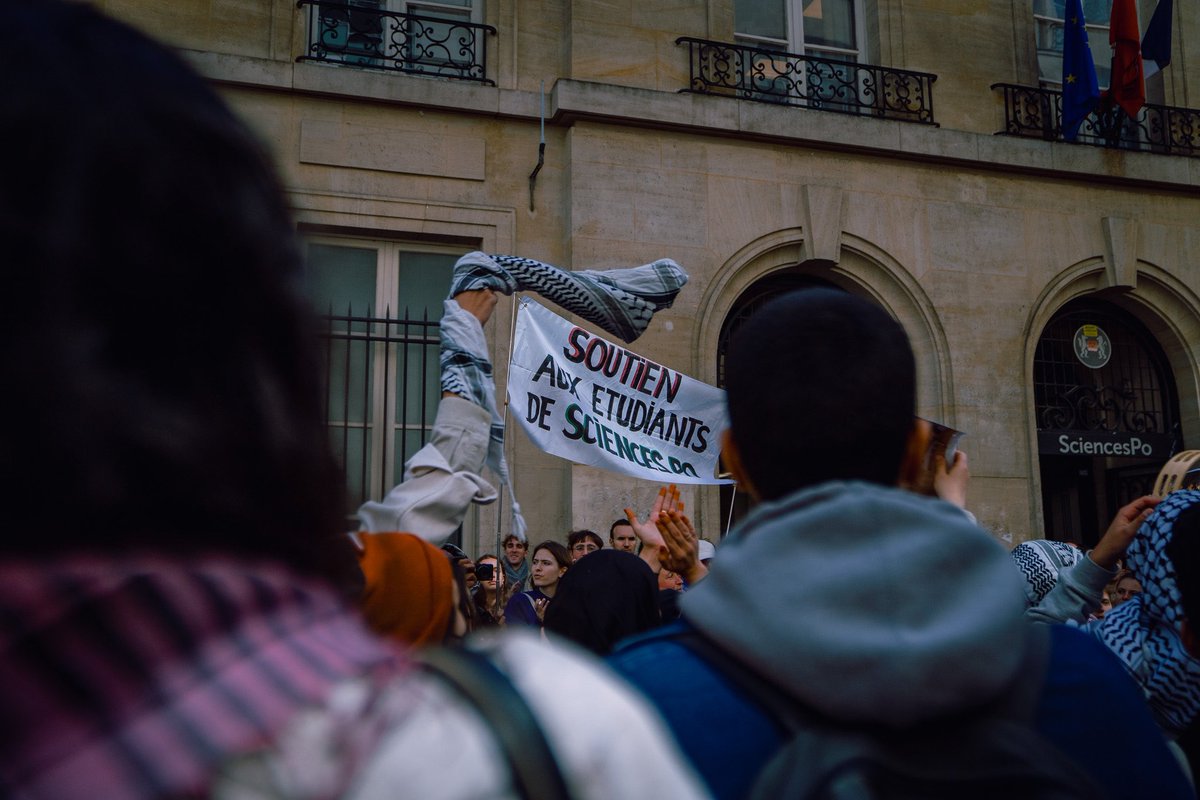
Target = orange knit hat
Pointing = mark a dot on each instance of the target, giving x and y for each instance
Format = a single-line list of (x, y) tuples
[(408, 593)]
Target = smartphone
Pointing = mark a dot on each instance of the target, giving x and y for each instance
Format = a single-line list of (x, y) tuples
[(944, 442)]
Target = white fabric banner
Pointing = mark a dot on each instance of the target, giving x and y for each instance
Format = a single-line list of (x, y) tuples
[(590, 401)]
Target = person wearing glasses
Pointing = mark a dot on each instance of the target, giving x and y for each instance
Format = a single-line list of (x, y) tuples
[(582, 542)]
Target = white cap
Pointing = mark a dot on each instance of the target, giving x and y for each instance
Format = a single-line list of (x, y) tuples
[(707, 550)]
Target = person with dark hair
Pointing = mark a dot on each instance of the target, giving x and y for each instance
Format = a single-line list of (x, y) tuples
[(622, 537), (606, 597), (582, 542), (909, 624), (174, 616), (492, 593), (547, 565)]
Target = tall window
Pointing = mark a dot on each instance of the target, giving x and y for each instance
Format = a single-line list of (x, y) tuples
[(1048, 16), (381, 302), (823, 28), (377, 33), (437, 43), (810, 28)]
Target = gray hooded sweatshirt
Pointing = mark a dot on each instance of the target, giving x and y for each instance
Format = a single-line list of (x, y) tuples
[(868, 603)]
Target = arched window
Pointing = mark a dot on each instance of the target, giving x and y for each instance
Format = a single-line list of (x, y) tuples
[(735, 505), (1107, 415)]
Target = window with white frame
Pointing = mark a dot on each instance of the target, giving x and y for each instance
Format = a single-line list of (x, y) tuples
[(1048, 19), (380, 303), (369, 32), (830, 29), (823, 28), (435, 42)]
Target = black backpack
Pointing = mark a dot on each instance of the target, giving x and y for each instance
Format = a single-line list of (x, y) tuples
[(992, 752)]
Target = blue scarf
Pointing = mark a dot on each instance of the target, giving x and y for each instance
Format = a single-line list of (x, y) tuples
[(1145, 631)]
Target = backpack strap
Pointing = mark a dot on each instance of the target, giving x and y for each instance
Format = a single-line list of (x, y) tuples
[(1006, 749), (764, 693), (474, 676), (1018, 702)]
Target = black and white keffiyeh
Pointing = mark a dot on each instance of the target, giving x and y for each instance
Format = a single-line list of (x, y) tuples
[(1145, 632), (1040, 561), (621, 301), (467, 371)]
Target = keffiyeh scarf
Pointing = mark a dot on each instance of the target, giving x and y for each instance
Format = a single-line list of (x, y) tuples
[(1144, 632), (1040, 561), (621, 301)]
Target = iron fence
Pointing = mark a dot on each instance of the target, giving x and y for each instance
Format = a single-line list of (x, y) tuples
[(382, 390), (772, 76), (1037, 112), (361, 33)]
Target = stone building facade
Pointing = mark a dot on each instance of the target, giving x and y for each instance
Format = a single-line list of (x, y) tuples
[(999, 253)]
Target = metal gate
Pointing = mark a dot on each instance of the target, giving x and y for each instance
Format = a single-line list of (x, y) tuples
[(1107, 415)]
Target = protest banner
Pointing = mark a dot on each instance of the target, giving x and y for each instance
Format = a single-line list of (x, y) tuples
[(581, 397)]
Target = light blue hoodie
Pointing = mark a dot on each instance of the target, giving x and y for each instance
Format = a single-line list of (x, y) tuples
[(870, 604)]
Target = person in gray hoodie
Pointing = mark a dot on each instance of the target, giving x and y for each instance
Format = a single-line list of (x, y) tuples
[(907, 615)]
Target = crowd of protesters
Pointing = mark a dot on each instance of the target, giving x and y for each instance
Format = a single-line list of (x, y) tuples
[(182, 615)]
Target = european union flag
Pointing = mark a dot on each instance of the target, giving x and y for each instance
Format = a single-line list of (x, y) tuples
[(1081, 92)]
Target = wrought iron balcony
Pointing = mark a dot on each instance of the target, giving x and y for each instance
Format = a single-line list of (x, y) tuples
[(361, 33), (1036, 112), (773, 76)]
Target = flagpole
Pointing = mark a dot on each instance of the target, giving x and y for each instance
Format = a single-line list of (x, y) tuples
[(500, 554)]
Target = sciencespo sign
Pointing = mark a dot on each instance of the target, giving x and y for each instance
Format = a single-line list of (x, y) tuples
[(1116, 444)]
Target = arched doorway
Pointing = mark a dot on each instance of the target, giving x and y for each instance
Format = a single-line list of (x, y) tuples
[(734, 504), (1107, 415)]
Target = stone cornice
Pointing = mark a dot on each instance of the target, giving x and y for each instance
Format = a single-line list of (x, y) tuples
[(574, 101)]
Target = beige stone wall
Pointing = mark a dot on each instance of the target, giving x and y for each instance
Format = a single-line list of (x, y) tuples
[(258, 28), (971, 240), (981, 246)]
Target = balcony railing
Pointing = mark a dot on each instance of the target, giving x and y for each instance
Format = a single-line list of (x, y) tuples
[(1037, 112), (773, 76), (360, 33)]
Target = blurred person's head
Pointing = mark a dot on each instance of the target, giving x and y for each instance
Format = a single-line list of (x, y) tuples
[(161, 358), (622, 537), (582, 542), (841, 395), (548, 563), (515, 549), (602, 599), (412, 590)]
